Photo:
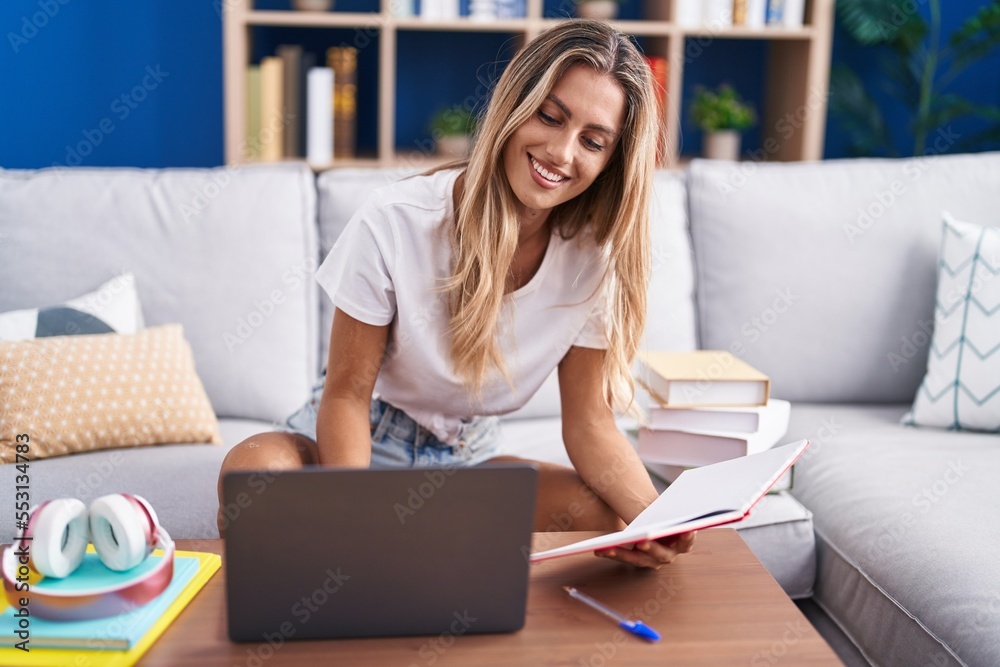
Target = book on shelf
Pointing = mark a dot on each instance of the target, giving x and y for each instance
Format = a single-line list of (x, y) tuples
[(307, 62), (251, 149), (701, 378), (739, 12), (775, 12), (660, 71), (272, 121), (703, 447), (343, 60), (319, 134), (756, 14), (291, 60), (793, 13), (115, 640), (700, 498)]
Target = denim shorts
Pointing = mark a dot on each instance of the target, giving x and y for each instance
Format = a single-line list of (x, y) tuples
[(400, 442)]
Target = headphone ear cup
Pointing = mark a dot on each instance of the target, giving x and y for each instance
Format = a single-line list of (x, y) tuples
[(59, 537), (120, 532)]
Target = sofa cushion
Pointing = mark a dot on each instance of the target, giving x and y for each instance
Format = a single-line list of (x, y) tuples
[(906, 562), (179, 480), (73, 394), (816, 273), (962, 388), (228, 253), (110, 307)]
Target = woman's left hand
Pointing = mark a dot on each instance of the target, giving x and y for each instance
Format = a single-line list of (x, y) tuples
[(651, 553)]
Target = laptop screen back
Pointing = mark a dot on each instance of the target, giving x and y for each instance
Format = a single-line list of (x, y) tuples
[(321, 553)]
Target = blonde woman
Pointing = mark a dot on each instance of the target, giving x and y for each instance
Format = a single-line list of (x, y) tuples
[(458, 291)]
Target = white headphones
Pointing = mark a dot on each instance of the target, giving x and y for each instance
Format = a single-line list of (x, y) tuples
[(124, 530)]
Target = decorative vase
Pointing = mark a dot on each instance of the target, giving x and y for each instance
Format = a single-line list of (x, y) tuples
[(597, 9), (721, 145), (313, 5), (454, 145)]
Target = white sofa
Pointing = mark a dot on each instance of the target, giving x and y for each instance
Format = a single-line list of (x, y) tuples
[(751, 258)]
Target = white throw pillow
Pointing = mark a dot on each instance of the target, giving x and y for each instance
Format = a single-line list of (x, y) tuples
[(111, 308), (961, 390)]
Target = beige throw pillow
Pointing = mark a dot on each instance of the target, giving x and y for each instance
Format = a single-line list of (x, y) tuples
[(89, 392)]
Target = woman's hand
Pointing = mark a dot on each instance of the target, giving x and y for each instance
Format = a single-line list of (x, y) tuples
[(651, 553)]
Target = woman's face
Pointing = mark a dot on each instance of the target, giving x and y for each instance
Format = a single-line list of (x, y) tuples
[(557, 153)]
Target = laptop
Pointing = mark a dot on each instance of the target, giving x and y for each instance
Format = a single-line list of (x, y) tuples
[(324, 553)]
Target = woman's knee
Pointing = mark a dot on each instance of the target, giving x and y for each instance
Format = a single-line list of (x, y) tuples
[(271, 451)]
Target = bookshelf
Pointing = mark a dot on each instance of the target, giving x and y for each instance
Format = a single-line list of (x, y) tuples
[(793, 112)]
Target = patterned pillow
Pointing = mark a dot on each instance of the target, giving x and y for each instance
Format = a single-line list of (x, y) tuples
[(111, 308), (961, 390), (88, 392)]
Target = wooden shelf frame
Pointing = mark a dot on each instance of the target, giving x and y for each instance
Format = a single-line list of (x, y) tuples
[(796, 77)]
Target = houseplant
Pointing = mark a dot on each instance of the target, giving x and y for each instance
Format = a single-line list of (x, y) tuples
[(722, 116), (597, 9), (452, 129), (916, 65)]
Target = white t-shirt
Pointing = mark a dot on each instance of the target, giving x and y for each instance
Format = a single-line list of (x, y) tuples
[(385, 268)]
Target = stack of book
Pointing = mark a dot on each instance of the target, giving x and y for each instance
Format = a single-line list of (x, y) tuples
[(296, 109), (117, 641), (705, 406), (715, 14)]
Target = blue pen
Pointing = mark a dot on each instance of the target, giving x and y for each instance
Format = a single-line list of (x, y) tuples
[(637, 628)]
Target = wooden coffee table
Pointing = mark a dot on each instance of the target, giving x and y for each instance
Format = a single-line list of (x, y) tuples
[(714, 606)]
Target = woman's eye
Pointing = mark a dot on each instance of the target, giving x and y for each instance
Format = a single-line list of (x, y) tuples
[(547, 119), (593, 145)]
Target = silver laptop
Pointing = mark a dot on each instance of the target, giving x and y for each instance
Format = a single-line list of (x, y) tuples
[(322, 553)]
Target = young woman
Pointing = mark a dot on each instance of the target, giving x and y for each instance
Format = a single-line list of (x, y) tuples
[(457, 292)]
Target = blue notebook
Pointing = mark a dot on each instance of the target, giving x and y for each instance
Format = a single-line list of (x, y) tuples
[(120, 632)]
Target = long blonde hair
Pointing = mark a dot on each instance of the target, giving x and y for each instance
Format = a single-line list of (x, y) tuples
[(615, 206)]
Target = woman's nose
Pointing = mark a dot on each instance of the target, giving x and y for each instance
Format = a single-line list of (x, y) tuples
[(559, 149)]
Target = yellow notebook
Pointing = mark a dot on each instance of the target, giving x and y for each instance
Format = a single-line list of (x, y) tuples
[(208, 564), (701, 378)]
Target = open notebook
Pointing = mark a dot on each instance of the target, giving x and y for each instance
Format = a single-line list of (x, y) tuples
[(700, 498)]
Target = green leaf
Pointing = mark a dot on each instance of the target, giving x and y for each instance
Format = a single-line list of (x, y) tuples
[(859, 115), (977, 36), (883, 22), (949, 107), (985, 139), (903, 76)]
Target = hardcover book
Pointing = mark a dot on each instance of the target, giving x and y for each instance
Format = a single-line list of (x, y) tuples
[(343, 60), (701, 378), (702, 447)]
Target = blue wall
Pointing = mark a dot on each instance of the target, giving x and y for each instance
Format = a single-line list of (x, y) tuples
[(140, 84)]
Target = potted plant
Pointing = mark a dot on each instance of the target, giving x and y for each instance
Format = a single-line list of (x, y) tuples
[(722, 116), (452, 129), (597, 9)]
